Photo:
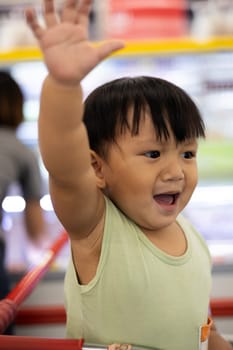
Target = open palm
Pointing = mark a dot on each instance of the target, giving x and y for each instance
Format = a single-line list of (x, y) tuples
[(68, 54)]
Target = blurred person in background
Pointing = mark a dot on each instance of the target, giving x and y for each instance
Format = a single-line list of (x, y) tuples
[(18, 164)]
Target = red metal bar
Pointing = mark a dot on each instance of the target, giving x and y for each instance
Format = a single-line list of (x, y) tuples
[(50, 314), (222, 307), (35, 343), (55, 314), (43, 314), (9, 306)]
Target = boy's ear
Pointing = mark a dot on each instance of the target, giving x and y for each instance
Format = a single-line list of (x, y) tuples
[(97, 164)]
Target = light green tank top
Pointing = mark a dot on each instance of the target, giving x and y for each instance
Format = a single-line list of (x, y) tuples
[(141, 295)]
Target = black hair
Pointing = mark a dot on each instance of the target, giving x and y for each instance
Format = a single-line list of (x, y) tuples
[(11, 101), (107, 107)]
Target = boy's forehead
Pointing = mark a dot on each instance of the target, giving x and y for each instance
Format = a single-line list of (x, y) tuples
[(148, 131), (144, 124), (145, 117), (146, 128)]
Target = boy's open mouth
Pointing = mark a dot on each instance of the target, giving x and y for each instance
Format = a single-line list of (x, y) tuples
[(166, 198)]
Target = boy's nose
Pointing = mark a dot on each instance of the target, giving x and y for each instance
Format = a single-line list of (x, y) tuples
[(172, 171)]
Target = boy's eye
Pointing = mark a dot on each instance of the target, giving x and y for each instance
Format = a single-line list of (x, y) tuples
[(152, 154), (188, 155)]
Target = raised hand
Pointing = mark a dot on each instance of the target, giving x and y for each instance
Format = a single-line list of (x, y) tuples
[(68, 53)]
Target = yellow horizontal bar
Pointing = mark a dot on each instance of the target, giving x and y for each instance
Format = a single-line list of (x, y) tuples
[(135, 48), (176, 46), (20, 54)]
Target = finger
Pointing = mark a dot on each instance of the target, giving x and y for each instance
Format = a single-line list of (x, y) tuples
[(106, 49), (69, 12), (32, 22), (50, 16), (83, 13)]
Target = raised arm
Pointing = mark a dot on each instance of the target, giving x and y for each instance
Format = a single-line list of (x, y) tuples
[(69, 57)]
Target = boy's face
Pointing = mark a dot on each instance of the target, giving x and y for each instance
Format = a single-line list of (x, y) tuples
[(149, 180)]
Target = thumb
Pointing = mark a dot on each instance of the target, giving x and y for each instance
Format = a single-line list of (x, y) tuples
[(107, 48)]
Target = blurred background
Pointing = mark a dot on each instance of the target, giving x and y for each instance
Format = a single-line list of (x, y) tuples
[(187, 42)]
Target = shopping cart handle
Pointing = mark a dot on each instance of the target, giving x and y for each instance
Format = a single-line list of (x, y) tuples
[(14, 342), (89, 346), (10, 305), (8, 311), (8, 342)]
